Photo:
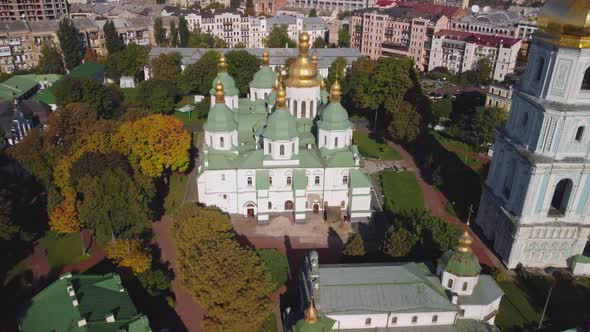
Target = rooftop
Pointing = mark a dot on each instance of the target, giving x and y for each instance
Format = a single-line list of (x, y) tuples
[(479, 39)]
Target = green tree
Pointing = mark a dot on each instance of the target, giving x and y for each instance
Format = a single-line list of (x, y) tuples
[(249, 8), (197, 77), (207, 249), (240, 45), (398, 242), (279, 38), (160, 32), (112, 40), (336, 70), (166, 67), (173, 34), (205, 40), (51, 61), (357, 86), (242, 66), (405, 121), (32, 156), (431, 235), (86, 90), (183, 32), (343, 37), (156, 96), (319, 43), (68, 123), (8, 228), (354, 246), (156, 282), (441, 109), (234, 3), (484, 68), (313, 13), (128, 62), (70, 43)]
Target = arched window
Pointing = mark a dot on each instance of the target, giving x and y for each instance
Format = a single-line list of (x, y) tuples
[(325, 140), (580, 134), (311, 109), (435, 318), (561, 197), (414, 319), (368, 321), (269, 205), (394, 320), (540, 66), (282, 150), (295, 108), (342, 204), (293, 148), (464, 286), (269, 148), (317, 180), (450, 283), (249, 181), (303, 109), (270, 180), (335, 142), (255, 95), (288, 205), (586, 81), (345, 179), (288, 180), (210, 140), (221, 142)]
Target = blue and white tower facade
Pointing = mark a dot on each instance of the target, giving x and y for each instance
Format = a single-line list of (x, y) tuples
[(535, 204)]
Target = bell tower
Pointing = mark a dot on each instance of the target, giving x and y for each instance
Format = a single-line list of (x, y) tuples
[(535, 202)]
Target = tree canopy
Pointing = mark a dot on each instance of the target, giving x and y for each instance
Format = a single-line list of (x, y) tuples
[(68, 123), (313, 13), (354, 246), (156, 96), (112, 40), (87, 90), (128, 62), (205, 40), (51, 61), (166, 67), (343, 37), (279, 38), (160, 32), (69, 42), (173, 42), (249, 8), (197, 77), (183, 32), (242, 67)]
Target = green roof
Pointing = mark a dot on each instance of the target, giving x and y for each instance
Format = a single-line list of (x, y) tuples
[(323, 324), (334, 117), (460, 264), (47, 96), (299, 180), (582, 259), (485, 292), (229, 85), (280, 126), (264, 78), (97, 296), (220, 119), (343, 157), (272, 98), (17, 86), (262, 180), (88, 69), (359, 179)]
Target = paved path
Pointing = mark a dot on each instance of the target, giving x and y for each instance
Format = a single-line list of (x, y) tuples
[(190, 312)]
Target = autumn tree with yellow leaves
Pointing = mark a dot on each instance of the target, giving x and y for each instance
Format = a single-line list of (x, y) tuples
[(64, 219), (130, 253)]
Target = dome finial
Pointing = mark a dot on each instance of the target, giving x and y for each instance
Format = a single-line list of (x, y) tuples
[(278, 79), (311, 314), (222, 64), (303, 44), (335, 92), (219, 94), (265, 58), (322, 84), (281, 102), (314, 58)]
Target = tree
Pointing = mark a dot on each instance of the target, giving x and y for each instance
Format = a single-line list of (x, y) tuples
[(156, 96), (343, 37), (336, 70), (205, 40), (441, 109), (128, 62), (183, 32), (166, 67), (130, 253), (69, 122), (207, 249), (354, 246), (242, 67), (173, 34), (87, 90), (234, 3), (249, 8), (279, 38), (156, 143), (313, 13), (197, 77), (8, 229), (405, 122), (239, 45), (431, 236), (111, 36), (64, 218), (31, 155), (94, 164), (357, 85), (156, 282), (319, 42), (398, 243), (484, 68), (160, 33), (50, 61), (69, 42)]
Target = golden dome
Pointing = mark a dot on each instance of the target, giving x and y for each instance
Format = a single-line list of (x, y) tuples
[(465, 242), (565, 23), (322, 84), (302, 73), (335, 93), (219, 95), (221, 64), (265, 58), (314, 59), (281, 101), (311, 314)]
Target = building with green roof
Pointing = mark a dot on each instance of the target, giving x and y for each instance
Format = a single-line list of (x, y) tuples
[(284, 150), (84, 303)]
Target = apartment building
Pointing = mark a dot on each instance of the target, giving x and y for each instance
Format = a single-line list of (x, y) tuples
[(405, 30), (499, 95), (461, 51), (32, 10), (332, 4), (268, 7), (455, 3)]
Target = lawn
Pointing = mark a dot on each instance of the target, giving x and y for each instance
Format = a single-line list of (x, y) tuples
[(189, 118), (370, 148), (63, 250), (459, 148), (402, 192), (175, 197), (516, 310), (278, 265)]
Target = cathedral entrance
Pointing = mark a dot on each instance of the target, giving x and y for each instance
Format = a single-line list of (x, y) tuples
[(288, 205), (316, 208), (560, 199), (250, 210), (250, 213)]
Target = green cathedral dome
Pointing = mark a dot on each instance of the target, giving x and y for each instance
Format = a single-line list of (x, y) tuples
[(264, 78), (461, 261), (334, 116), (280, 125), (220, 117), (229, 85)]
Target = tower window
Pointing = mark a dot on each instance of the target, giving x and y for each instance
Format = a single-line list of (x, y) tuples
[(317, 180), (450, 283), (269, 148), (414, 319), (221, 142), (368, 322), (270, 180), (269, 205), (393, 320), (540, 66), (342, 204), (288, 180), (249, 181), (464, 286), (561, 197), (303, 109), (282, 150), (345, 179), (325, 140), (580, 134), (435, 318), (586, 81), (336, 142)]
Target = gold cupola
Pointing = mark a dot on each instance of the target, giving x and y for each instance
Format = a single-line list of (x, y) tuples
[(314, 59), (265, 58), (302, 73), (565, 23), (219, 94), (311, 314), (221, 64)]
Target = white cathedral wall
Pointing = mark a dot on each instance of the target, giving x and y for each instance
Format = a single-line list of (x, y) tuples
[(213, 139), (256, 93), (327, 138), (479, 312), (457, 286), (273, 148), (384, 319), (218, 187), (297, 96), (230, 101)]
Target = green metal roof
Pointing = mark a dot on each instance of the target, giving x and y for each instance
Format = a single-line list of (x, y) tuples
[(229, 85), (88, 69), (272, 98), (97, 296), (582, 259), (343, 157), (334, 117), (359, 179), (17, 86), (299, 180), (47, 96), (264, 78), (485, 292), (460, 264), (262, 180), (220, 119), (280, 126), (323, 324)]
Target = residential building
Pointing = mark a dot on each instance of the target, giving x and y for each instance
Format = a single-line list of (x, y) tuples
[(405, 30), (340, 5), (334, 29), (22, 87), (269, 7), (455, 3), (277, 56), (462, 51), (83, 302), (32, 10), (499, 95), (348, 297), (284, 150), (535, 203)]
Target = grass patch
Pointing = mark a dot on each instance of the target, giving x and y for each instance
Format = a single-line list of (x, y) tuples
[(176, 189), (277, 264), (63, 250), (516, 309), (189, 118), (459, 148), (270, 324), (402, 192), (370, 148)]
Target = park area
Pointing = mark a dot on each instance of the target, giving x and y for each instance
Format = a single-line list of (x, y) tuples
[(369, 147)]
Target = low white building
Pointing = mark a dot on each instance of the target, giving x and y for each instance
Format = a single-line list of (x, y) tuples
[(581, 265), (462, 51), (390, 295)]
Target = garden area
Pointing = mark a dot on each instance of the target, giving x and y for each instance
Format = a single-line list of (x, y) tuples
[(401, 192), (463, 151), (64, 249), (371, 148), (176, 189)]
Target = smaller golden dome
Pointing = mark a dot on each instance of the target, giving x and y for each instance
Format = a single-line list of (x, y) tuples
[(464, 243), (322, 84), (276, 84), (335, 92), (311, 314), (302, 73), (281, 101), (221, 64), (265, 58), (219, 94), (314, 59), (565, 23)]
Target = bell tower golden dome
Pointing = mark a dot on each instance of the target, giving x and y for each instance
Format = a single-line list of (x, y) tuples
[(565, 23), (302, 73)]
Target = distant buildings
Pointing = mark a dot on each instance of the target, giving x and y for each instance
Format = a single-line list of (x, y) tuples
[(332, 5), (32, 10), (462, 51), (455, 3), (499, 95)]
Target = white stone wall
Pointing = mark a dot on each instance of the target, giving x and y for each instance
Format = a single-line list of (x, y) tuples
[(221, 141), (581, 269), (303, 102), (230, 101), (334, 139), (256, 93), (382, 320), (273, 148), (458, 283), (479, 312)]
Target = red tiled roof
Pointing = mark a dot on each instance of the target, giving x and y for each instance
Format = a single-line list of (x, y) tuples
[(385, 3), (432, 9), (480, 39)]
